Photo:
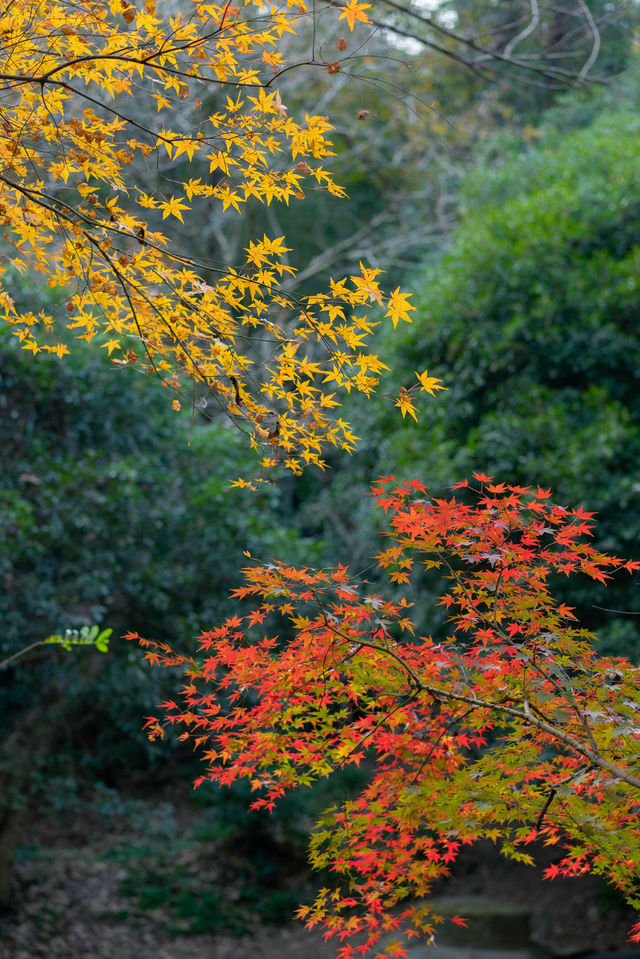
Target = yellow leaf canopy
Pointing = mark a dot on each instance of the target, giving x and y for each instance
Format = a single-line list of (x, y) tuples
[(88, 90)]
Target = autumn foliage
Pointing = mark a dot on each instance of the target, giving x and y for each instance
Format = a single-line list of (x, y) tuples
[(511, 729), (123, 124)]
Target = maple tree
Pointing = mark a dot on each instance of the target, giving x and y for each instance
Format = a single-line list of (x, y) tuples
[(512, 729), (93, 92)]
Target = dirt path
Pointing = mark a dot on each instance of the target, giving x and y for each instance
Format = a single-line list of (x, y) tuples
[(69, 905)]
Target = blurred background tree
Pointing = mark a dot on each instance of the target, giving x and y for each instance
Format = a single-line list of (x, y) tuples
[(530, 318)]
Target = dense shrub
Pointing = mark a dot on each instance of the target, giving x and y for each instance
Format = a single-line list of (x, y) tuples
[(114, 510), (531, 319)]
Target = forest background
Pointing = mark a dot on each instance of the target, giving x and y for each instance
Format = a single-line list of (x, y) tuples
[(510, 209)]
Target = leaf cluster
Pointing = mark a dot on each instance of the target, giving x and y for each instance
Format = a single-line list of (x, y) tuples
[(87, 91), (511, 729)]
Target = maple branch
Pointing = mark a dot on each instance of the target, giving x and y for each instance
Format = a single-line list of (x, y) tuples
[(410, 35), (495, 601), (553, 791), (595, 759), (100, 103), (74, 214), (123, 285), (623, 612), (375, 729), (52, 204), (526, 715), (21, 652), (443, 732), (580, 714), (363, 643), (125, 56), (39, 199), (564, 688)]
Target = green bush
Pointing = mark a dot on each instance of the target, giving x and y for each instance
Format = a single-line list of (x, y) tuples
[(231, 869), (113, 510), (531, 320)]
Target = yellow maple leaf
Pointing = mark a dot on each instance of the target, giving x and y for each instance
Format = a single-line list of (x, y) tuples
[(129, 280), (161, 101), (173, 207), (352, 11), (111, 345), (405, 405), (367, 283), (187, 145), (399, 307), (430, 383)]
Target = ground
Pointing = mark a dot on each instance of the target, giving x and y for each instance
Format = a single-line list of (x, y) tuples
[(77, 886)]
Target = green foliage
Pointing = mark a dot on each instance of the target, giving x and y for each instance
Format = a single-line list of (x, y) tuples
[(114, 519), (87, 636), (531, 321), (228, 870)]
